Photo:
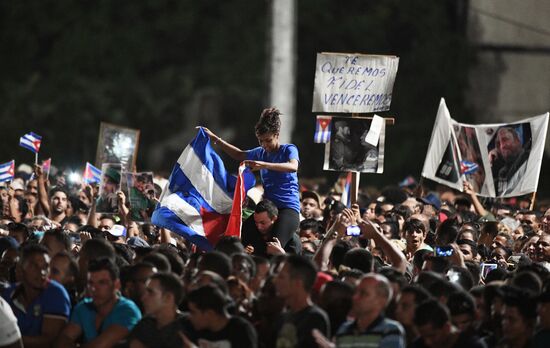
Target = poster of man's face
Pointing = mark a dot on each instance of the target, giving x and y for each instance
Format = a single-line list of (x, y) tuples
[(141, 193), (508, 152), (110, 183), (348, 150), (117, 145)]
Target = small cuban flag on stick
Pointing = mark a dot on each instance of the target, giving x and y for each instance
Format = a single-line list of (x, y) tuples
[(322, 130), (7, 171), (467, 167), (346, 191), (31, 141), (92, 175), (46, 166)]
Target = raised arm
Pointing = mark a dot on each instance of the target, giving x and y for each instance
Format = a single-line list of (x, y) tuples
[(338, 229), (43, 198), (475, 201), (396, 257), (287, 167), (233, 151)]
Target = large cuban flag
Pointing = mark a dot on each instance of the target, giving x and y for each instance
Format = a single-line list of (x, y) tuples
[(197, 203)]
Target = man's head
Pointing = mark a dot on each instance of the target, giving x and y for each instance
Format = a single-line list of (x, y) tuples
[(138, 275), (468, 249), (415, 234), (19, 232), (519, 314), (410, 297), (265, 215), (462, 308), (205, 304), (93, 249), (531, 218), (296, 276), (64, 269), (413, 204), (103, 281), (244, 267), (543, 248), (309, 229), (32, 186), (58, 201), (164, 291), (106, 222), (56, 240), (508, 143), (33, 268), (310, 204), (545, 224), (502, 240), (447, 232), (372, 295), (432, 320)]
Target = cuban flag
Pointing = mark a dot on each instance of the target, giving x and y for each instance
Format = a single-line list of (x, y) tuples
[(198, 201), (408, 181), (92, 175), (46, 165), (7, 171), (31, 141), (467, 167), (322, 130), (346, 192)]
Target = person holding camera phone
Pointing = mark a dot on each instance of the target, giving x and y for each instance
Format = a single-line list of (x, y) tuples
[(374, 233)]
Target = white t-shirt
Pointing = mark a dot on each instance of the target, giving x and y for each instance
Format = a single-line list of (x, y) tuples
[(9, 331)]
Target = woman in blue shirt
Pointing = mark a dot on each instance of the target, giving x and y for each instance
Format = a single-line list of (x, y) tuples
[(278, 164)]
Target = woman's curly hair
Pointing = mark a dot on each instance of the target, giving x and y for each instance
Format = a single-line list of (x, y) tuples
[(269, 122)]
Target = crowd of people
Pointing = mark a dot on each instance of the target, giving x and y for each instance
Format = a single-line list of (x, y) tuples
[(396, 269)]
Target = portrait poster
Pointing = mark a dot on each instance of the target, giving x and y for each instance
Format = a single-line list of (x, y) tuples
[(117, 144), (498, 160), (107, 201), (353, 83), (141, 194), (356, 145)]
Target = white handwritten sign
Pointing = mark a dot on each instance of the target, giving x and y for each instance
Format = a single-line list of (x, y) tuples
[(353, 83)]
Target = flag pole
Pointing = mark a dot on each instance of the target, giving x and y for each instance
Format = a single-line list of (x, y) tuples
[(36, 158), (532, 206)]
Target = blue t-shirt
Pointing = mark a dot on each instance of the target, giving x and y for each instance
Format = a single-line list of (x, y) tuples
[(280, 188), (53, 301), (125, 313)]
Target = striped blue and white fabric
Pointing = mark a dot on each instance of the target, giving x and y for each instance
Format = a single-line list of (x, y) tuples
[(31, 141), (322, 130), (7, 171), (346, 191), (92, 175), (197, 201)]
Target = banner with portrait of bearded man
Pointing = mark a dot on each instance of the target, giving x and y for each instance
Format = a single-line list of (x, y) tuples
[(499, 160)]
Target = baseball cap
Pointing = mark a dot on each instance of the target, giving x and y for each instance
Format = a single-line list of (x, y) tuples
[(313, 195), (431, 199), (117, 231), (17, 185), (137, 242)]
